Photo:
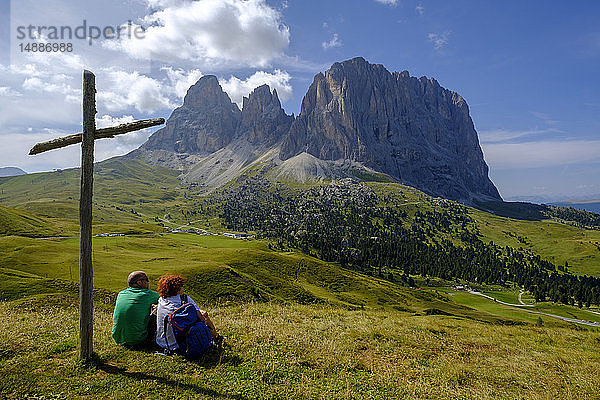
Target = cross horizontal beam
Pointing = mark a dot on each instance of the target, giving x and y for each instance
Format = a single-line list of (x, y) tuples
[(100, 134)]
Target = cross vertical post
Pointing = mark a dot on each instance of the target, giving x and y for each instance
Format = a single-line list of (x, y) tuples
[(90, 133), (86, 283)]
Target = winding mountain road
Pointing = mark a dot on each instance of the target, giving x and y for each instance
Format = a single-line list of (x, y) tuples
[(522, 307)]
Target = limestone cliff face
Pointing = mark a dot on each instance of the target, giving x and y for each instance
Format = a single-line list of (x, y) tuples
[(263, 122), (206, 122), (409, 128)]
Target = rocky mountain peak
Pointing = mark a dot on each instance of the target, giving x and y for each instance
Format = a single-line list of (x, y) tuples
[(263, 121), (412, 129), (260, 100), (207, 93), (206, 122)]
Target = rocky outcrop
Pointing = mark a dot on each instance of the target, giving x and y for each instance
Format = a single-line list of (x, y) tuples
[(412, 129), (264, 122), (359, 113), (206, 122)]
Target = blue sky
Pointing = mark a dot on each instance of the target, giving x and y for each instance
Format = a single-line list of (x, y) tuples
[(528, 71)]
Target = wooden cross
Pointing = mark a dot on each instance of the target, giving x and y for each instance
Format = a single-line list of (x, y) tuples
[(85, 201)]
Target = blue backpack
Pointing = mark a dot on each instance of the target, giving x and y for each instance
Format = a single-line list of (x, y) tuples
[(192, 335)]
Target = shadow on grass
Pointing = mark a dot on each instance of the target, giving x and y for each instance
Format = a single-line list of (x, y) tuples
[(514, 209), (213, 357), (141, 376)]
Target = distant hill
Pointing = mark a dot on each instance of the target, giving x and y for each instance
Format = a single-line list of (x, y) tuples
[(11, 171), (564, 212), (22, 223), (591, 206)]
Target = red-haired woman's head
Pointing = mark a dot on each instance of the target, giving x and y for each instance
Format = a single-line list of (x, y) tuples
[(169, 285)]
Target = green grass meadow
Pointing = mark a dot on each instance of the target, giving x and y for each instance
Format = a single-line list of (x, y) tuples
[(522, 313), (297, 327), (295, 330), (293, 351), (556, 242)]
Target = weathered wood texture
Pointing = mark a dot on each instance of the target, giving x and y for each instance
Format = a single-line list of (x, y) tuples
[(100, 134), (86, 277), (86, 280)]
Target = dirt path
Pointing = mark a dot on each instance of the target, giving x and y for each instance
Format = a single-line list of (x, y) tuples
[(521, 307), (501, 302), (521, 300)]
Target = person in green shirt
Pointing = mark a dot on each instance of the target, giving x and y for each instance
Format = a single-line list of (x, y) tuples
[(132, 323)]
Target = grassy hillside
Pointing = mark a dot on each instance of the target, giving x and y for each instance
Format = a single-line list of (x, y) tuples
[(359, 337), (132, 196), (295, 351), (126, 184), (225, 270), (556, 242), (393, 231), (18, 222), (220, 270), (297, 327)]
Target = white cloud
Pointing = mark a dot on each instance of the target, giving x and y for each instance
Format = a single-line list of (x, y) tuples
[(16, 146), (334, 42), (182, 80), (420, 9), (133, 90), (237, 89), (546, 118), (30, 97), (45, 106), (439, 40), (9, 92), (33, 97), (388, 2), (106, 121), (56, 62), (541, 153), (120, 144), (52, 62), (248, 32), (56, 84), (503, 135)]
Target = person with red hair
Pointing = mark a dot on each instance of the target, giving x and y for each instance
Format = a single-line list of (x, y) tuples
[(170, 289)]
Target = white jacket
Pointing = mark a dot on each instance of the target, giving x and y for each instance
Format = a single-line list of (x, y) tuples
[(166, 306)]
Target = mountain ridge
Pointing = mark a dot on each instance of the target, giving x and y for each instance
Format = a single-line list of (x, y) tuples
[(412, 129), (11, 171), (408, 128)]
